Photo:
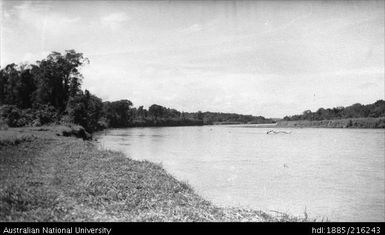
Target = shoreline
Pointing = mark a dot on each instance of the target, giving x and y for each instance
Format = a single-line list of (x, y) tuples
[(351, 123), (50, 177)]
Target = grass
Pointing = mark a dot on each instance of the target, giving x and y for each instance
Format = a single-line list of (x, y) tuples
[(12, 138), (49, 177)]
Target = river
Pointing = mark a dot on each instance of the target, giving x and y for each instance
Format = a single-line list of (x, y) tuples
[(336, 174)]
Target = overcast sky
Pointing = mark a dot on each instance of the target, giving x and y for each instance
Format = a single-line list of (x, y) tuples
[(263, 58)]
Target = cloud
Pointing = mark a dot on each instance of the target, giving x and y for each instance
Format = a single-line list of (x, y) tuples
[(285, 26), (5, 15), (30, 57), (368, 85), (364, 71), (192, 29), (40, 15), (114, 20)]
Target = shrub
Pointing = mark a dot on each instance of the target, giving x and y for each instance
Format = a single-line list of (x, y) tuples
[(44, 114), (10, 115), (39, 115), (103, 123), (3, 124), (65, 119)]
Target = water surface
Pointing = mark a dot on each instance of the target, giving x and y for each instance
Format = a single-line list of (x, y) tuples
[(333, 173)]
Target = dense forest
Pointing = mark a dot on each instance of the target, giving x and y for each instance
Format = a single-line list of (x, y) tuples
[(49, 91), (374, 110)]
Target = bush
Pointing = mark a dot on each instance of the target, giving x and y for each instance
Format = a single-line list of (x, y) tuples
[(3, 125), (39, 115), (65, 119), (44, 114), (10, 115), (103, 123)]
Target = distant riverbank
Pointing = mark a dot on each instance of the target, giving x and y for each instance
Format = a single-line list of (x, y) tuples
[(337, 123), (166, 122), (46, 176)]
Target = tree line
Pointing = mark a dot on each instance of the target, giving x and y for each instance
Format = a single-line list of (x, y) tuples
[(375, 110), (49, 91)]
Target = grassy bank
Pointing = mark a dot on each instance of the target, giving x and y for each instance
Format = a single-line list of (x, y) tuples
[(337, 123), (45, 176)]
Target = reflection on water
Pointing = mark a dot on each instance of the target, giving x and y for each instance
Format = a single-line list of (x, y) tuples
[(333, 173)]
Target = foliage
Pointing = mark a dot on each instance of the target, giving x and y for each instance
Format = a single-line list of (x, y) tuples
[(117, 113), (38, 94), (159, 115), (86, 110), (37, 116), (10, 114), (16, 85), (212, 118), (43, 114), (338, 123), (157, 111), (374, 110), (58, 78)]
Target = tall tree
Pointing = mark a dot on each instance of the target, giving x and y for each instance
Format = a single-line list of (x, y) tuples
[(118, 113), (58, 78), (156, 111)]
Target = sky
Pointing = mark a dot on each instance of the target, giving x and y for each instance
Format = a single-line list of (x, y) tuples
[(269, 58)]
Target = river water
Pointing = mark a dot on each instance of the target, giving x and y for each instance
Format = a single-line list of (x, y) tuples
[(336, 174)]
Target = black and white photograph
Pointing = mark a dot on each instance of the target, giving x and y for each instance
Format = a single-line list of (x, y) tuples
[(191, 111)]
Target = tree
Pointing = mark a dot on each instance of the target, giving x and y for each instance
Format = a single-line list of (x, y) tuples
[(378, 109), (2, 86), (140, 113), (200, 115), (58, 78), (10, 82), (16, 85), (156, 111), (26, 88), (117, 113), (85, 110), (357, 110)]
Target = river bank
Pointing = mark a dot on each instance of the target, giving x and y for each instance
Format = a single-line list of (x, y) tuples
[(336, 123), (46, 176)]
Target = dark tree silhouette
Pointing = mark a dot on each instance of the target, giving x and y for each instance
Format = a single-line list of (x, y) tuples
[(357, 110)]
